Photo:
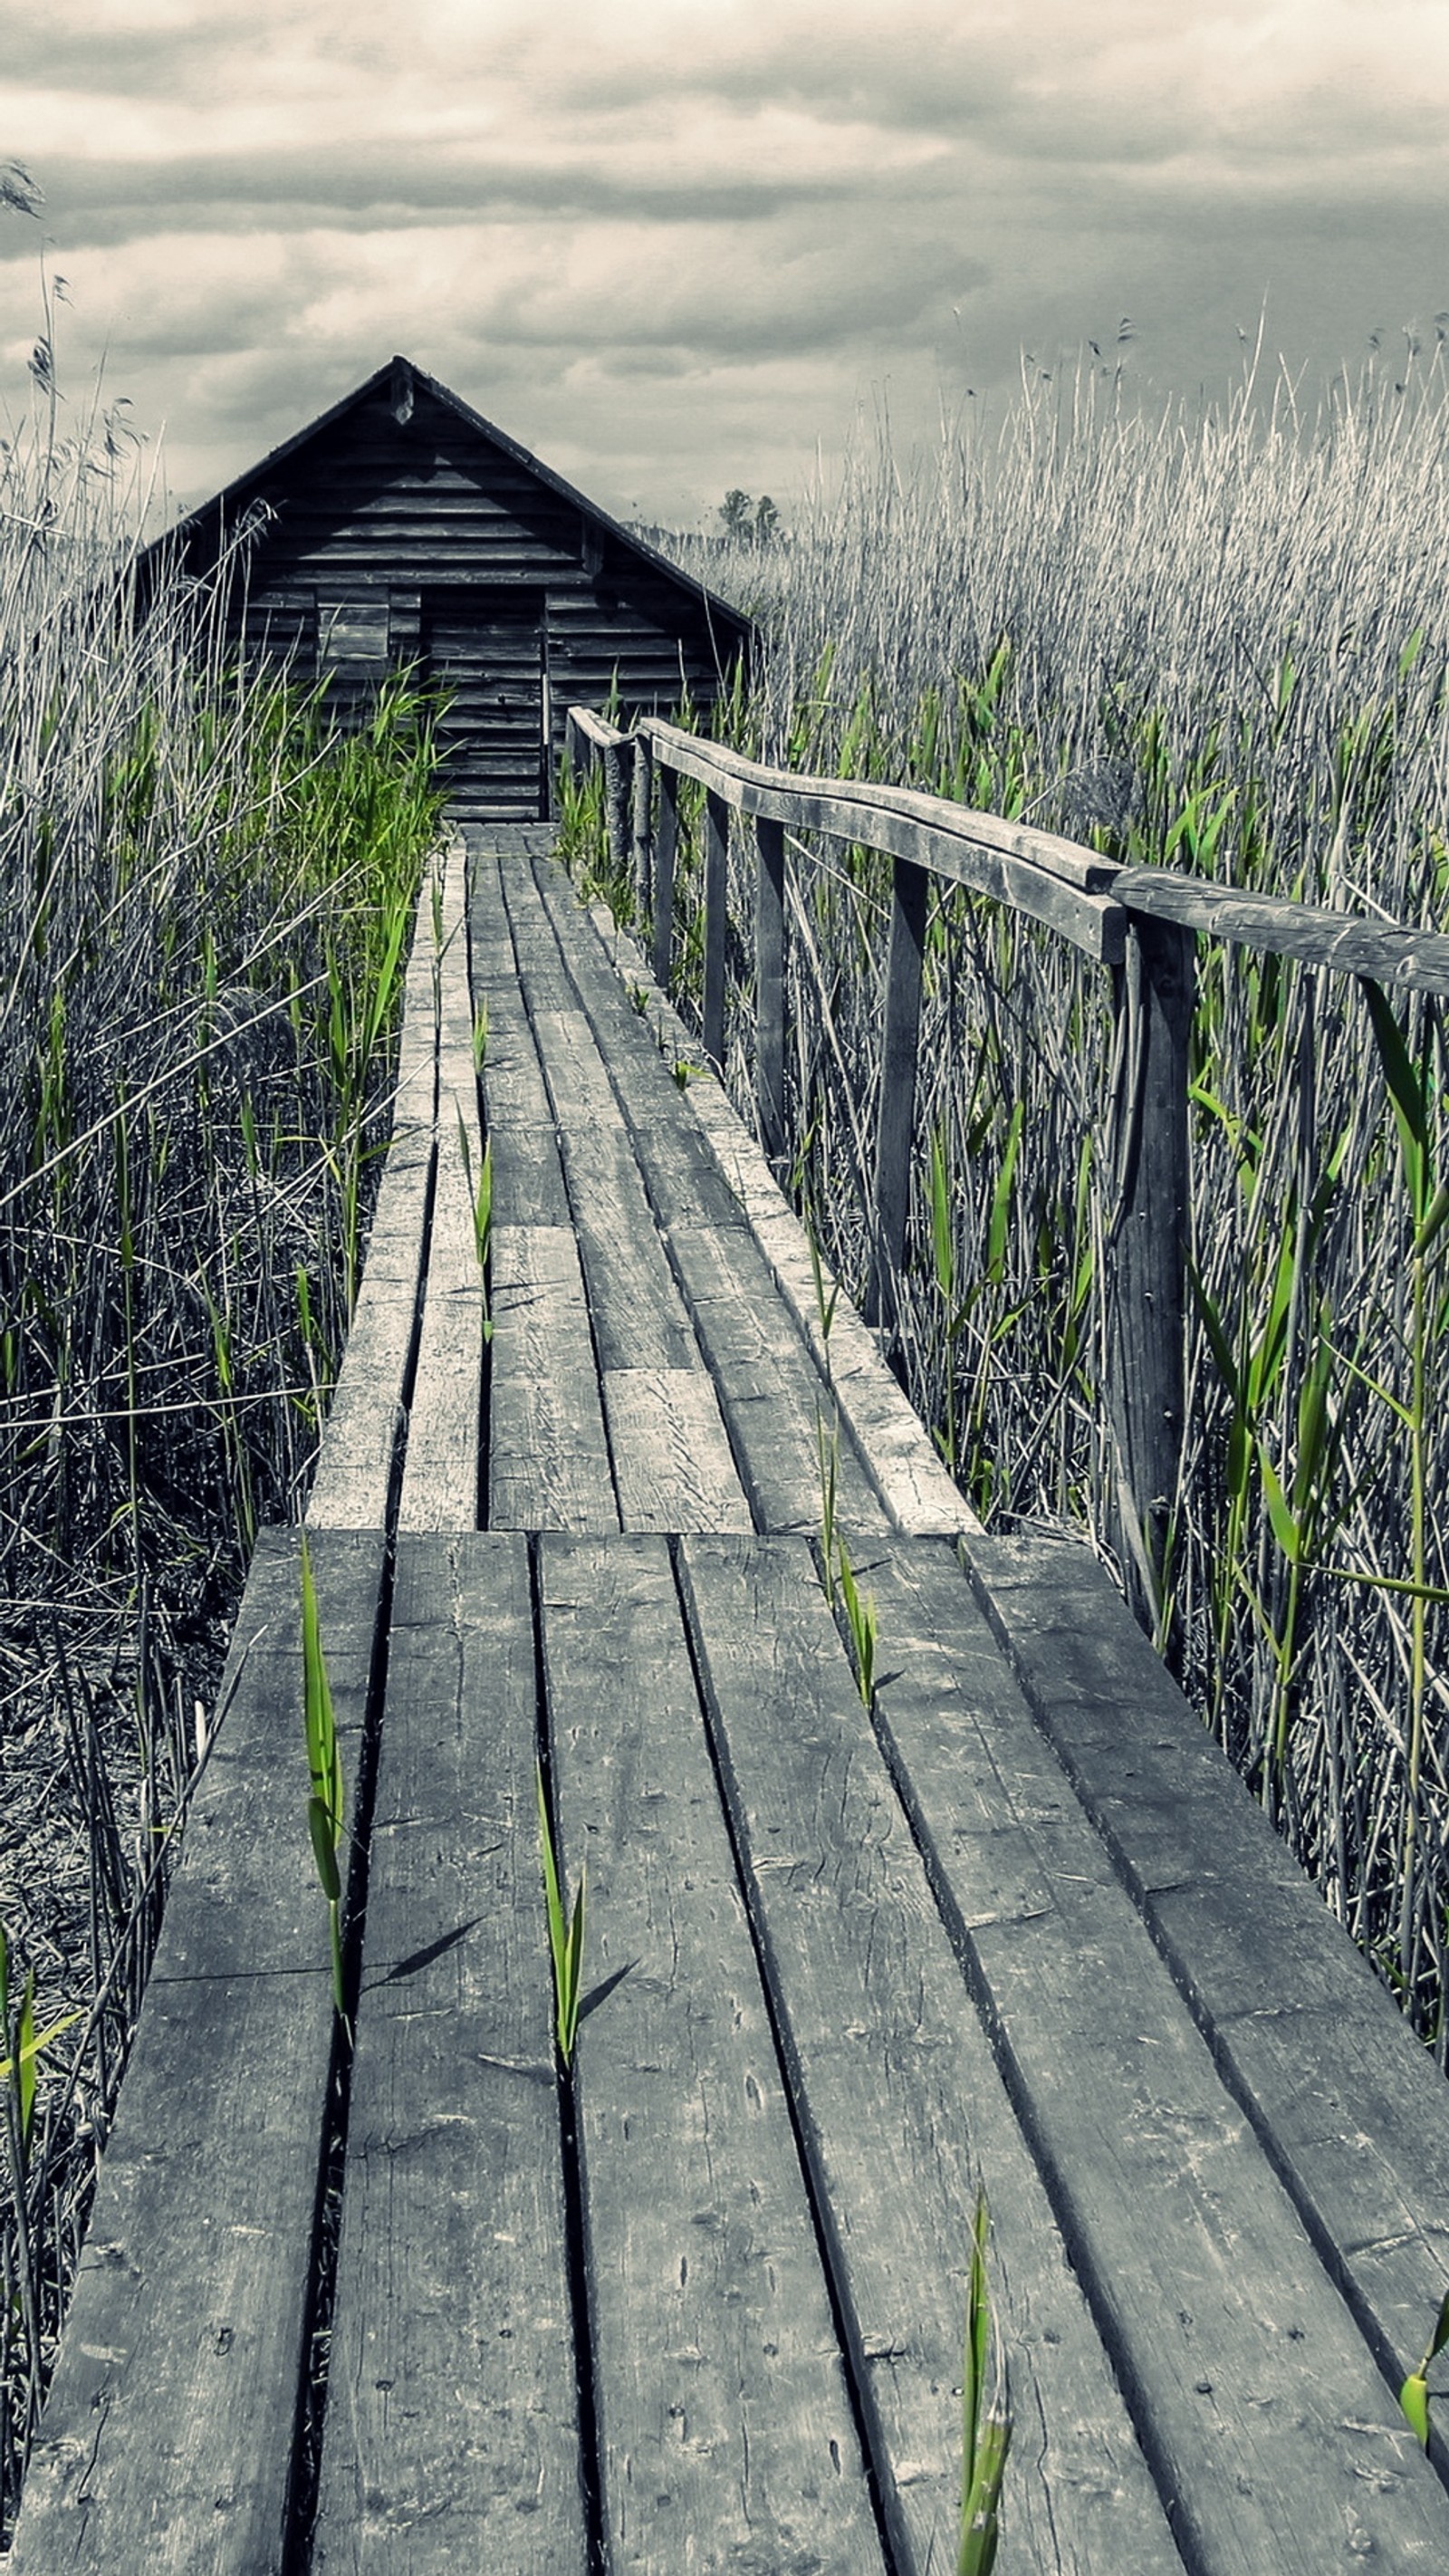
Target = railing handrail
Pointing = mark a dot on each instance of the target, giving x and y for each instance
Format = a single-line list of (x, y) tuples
[(1026, 867), (1140, 921)]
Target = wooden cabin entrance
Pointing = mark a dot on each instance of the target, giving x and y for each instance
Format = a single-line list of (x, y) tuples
[(487, 648)]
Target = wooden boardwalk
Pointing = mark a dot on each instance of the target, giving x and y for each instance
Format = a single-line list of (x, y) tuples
[(417, 2305)]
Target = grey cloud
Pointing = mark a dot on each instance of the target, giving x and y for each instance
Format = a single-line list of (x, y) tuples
[(352, 187)]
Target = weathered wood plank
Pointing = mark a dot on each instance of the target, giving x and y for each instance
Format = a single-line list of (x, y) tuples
[(451, 2430), (353, 1479), (779, 1409), (441, 1465), (893, 1441), (1052, 880), (1349, 2107), (167, 2440), (638, 1317), (548, 1452), (673, 1467), (1254, 2394), (726, 2429), (1418, 960), (899, 2100)]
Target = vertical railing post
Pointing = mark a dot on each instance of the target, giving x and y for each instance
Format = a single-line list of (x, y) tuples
[(1147, 1252), (770, 985), (640, 827), (666, 843), (616, 808), (899, 1044), (716, 900)]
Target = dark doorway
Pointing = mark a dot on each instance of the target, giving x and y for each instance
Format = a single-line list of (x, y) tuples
[(486, 647)]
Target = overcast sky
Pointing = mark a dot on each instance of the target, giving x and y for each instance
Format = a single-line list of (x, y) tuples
[(675, 246)]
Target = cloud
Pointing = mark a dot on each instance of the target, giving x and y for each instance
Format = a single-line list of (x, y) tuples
[(677, 244)]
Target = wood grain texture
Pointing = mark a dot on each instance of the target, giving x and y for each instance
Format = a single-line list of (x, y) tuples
[(899, 2099), (1349, 2107), (353, 1477), (673, 1466), (903, 1463), (1268, 2426), (1051, 880), (1417, 960), (778, 1407), (451, 2431), (440, 1478), (166, 2442), (548, 1461), (726, 2429), (638, 1317)]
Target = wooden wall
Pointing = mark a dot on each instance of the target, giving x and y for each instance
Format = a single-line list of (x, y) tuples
[(417, 538)]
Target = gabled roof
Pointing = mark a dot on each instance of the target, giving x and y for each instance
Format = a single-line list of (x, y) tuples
[(227, 509)]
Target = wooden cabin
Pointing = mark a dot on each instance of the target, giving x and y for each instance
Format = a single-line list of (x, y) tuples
[(403, 528)]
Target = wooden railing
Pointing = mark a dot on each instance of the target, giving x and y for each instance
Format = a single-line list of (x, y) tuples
[(1139, 923)]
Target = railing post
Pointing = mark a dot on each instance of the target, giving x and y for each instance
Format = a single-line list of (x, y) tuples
[(899, 1043), (616, 807), (666, 843), (770, 985), (640, 821), (716, 898), (1146, 1250)]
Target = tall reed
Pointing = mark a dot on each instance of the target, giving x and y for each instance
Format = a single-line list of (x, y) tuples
[(1214, 641), (207, 890)]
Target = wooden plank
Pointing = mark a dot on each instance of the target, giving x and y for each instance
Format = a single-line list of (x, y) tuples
[(1418, 960), (726, 2430), (352, 1482), (1051, 880), (577, 1076), (893, 1441), (1253, 2392), (673, 1467), (441, 1464), (167, 2440), (451, 2432), (1349, 2106), (777, 1406), (528, 1181), (638, 1318), (548, 1452), (899, 2100)]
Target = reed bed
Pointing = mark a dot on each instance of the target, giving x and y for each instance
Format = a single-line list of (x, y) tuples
[(1215, 642), (207, 896)]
